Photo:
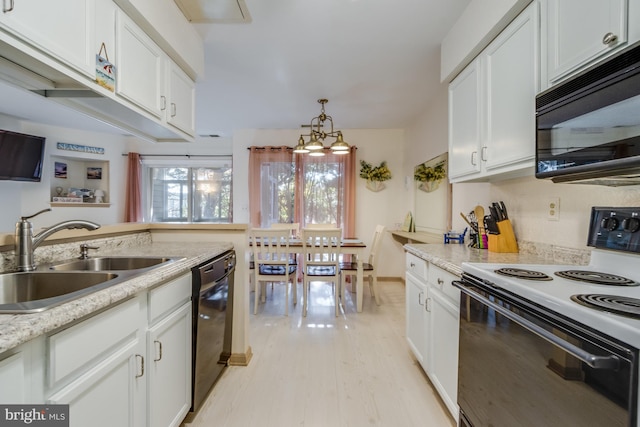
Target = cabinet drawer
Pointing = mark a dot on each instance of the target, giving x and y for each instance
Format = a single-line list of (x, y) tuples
[(441, 279), (416, 265), (77, 348), (169, 296)]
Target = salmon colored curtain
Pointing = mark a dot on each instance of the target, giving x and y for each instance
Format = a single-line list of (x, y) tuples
[(133, 201), (257, 156), (347, 166)]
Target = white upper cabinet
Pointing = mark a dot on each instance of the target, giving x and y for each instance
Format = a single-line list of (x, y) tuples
[(464, 122), (512, 83), (492, 106), (181, 99), (148, 78), (579, 32), (62, 31), (140, 67)]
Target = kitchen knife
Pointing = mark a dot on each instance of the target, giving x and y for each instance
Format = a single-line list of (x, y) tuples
[(495, 212), (503, 208), (490, 225)]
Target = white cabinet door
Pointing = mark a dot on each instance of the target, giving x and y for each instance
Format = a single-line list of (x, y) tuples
[(62, 30), (139, 67), (181, 99), (464, 122), (580, 31), (169, 353), (511, 64), (492, 106), (444, 348), (417, 318), (113, 393), (13, 370)]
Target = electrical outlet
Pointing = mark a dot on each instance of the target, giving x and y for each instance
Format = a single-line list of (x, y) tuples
[(553, 208)]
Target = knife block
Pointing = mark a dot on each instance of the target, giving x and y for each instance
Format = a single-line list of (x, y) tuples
[(505, 241)]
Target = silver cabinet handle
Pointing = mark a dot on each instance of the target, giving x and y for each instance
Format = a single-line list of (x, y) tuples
[(412, 265), (7, 9), (141, 358), (609, 39), (420, 298), (473, 158), (173, 109), (483, 154), (159, 352), (440, 281), (596, 362), (164, 102), (427, 305)]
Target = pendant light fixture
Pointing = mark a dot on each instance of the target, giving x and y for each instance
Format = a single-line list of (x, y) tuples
[(315, 145)]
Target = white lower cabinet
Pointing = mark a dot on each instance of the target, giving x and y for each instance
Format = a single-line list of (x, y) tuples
[(416, 297), (432, 326), (129, 365), (98, 367), (110, 394), (169, 350)]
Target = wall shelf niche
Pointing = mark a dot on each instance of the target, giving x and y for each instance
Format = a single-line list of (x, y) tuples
[(79, 182)]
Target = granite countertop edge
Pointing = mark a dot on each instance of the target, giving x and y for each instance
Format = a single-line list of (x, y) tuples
[(451, 256), (16, 329)]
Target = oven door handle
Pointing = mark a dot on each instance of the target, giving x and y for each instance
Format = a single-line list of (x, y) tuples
[(597, 362)]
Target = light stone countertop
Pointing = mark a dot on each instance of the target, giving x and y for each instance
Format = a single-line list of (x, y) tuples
[(451, 256), (16, 329)]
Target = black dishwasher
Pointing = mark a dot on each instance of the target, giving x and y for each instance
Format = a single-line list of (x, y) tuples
[(212, 321)]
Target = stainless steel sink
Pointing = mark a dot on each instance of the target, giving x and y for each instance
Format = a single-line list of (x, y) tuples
[(29, 292), (111, 263)]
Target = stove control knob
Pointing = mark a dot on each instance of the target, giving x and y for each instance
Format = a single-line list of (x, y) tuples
[(609, 223), (631, 224)]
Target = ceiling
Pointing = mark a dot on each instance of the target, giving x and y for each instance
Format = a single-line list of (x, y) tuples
[(377, 61), (267, 62)]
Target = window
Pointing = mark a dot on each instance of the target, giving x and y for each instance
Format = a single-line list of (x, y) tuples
[(188, 193), (302, 189)]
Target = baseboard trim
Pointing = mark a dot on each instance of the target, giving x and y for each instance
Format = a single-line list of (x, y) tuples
[(240, 359), (390, 279)]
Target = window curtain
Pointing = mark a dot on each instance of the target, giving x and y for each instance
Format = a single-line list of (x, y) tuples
[(346, 185), (133, 200), (257, 156)]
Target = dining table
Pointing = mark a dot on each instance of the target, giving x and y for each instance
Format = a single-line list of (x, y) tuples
[(348, 246)]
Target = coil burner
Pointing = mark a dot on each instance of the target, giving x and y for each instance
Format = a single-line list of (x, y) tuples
[(596, 278), (522, 273), (613, 303)]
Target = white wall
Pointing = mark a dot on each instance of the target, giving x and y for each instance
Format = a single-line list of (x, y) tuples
[(27, 198), (386, 207)]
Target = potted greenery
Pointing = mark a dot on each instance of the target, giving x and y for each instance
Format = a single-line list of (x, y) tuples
[(374, 175), (429, 177)]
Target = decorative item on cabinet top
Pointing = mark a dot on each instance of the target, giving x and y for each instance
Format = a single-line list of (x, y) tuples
[(375, 175)]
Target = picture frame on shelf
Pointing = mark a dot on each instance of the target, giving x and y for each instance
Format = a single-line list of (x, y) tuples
[(94, 173), (60, 170)]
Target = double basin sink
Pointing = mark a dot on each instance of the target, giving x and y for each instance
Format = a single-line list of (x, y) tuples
[(34, 291)]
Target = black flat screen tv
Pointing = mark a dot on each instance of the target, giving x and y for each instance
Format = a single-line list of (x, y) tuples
[(21, 156)]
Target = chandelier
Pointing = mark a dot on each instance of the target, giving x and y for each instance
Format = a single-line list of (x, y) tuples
[(315, 146)]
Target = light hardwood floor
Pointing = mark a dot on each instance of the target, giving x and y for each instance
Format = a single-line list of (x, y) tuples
[(352, 370)]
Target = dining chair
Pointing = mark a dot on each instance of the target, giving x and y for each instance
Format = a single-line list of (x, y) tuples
[(369, 268), (321, 259), (321, 225), (273, 263), (293, 227)]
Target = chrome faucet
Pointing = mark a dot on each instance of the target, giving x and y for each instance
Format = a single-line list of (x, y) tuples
[(26, 242)]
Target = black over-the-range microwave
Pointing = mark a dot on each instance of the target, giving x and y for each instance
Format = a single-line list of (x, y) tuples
[(588, 127)]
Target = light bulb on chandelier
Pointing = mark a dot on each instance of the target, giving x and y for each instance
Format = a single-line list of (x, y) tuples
[(315, 146)]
